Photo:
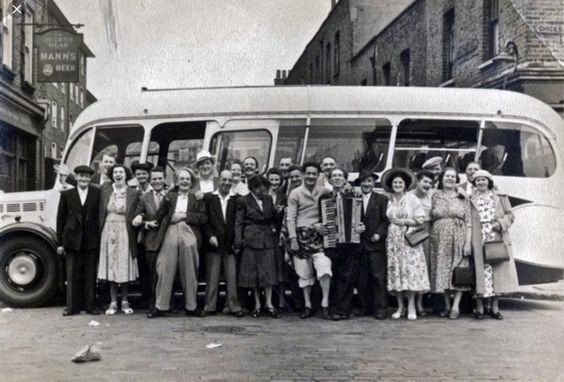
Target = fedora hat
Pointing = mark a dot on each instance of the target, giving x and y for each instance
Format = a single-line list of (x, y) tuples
[(204, 155), (365, 174), (407, 176), (141, 166)]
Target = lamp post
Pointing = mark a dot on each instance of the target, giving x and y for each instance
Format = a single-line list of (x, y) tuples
[(510, 53)]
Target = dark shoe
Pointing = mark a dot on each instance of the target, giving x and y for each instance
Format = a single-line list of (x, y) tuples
[(206, 313), (339, 317), (155, 313), (255, 313), (496, 315), (272, 312), (307, 313), (326, 313), (238, 314), (67, 313), (359, 312), (93, 312), (380, 315), (194, 313), (421, 313), (478, 316), (444, 314)]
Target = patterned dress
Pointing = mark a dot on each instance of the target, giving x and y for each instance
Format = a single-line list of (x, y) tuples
[(407, 268), (116, 263), (485, 204), (451, 217)]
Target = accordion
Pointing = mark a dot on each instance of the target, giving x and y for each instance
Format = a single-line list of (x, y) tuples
[(341, 215)]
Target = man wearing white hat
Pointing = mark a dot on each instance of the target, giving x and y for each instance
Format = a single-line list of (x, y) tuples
[(435, 166), (205, 163)]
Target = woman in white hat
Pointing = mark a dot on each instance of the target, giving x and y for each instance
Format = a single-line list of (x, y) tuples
[(207, 181), (491, 219)]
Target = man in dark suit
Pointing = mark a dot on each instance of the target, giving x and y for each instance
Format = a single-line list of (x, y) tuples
[(148, 215), (373, 241), (218, 241), (79, 239)]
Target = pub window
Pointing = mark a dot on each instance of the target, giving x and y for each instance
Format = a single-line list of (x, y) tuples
[(71, 91), (63, 118), (405, 62), (337, 54), (81, 97), (54, 154), (491, 16), (448, 44), (7, 33), (63, 87), (387, 73), (54, 115), (28, 46)]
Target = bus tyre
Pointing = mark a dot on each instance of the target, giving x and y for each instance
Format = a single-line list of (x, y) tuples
[(28, 272)]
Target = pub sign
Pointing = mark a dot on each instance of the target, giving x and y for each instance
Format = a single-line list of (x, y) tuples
[(58, 55)]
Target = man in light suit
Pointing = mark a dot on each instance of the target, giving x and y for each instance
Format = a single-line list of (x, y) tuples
[(79, 239), (218, 239)]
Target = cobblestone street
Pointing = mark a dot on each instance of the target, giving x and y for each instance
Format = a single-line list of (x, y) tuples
[(37, 344)]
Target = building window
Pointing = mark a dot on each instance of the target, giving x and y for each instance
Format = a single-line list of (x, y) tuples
[(81, 98), (63, 118), (491, 16), (7, 33), (54, 115), (54, 150), (448, 44), (28, 46), (311, 73), (405, 58), (387, 73), (71, 91), (328, 63), (82, 63), (337, 54), (317, 68), (321, 67), (62, 85)]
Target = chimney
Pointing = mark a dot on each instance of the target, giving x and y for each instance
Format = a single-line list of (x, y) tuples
[(281, 76)]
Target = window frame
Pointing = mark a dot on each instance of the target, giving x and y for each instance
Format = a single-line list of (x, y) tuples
[(449, 25)]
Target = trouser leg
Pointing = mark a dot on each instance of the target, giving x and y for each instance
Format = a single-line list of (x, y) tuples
[(144, 275), (346, 267), (230, 271), (364, 282), (151, 259), (188, 266), (167, 261), (213, 268), (90, 266), (74, 287), (379, 269)]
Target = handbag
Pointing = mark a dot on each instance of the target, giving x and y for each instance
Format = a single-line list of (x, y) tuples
[(416, 236), (495, 252), (464, 275)]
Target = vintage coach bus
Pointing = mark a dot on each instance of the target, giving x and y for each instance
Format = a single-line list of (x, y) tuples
[(516, 137)]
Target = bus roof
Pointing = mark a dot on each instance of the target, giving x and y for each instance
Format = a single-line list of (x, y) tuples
[(174, 103)]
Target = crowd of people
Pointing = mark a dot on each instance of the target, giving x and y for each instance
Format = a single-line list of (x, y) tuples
[(425, 240)]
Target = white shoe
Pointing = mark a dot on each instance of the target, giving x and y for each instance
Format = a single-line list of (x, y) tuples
[(112, 309), (126, 308), (412, 316), (397, 315)]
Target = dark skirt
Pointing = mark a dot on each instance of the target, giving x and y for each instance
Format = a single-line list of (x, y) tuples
[(258, 268), (279, 264)]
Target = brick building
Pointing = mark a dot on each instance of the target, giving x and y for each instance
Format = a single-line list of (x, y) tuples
[(444, 43), (35, 118)]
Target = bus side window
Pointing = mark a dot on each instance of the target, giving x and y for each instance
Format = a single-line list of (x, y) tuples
[(512, 149), (420, 139), (230, 145), (115, 141), (290, 144), (356, 144)]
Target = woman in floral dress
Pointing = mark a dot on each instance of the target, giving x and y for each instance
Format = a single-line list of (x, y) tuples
[(118, 245), (407, 268), (491, 219), (451, 238)]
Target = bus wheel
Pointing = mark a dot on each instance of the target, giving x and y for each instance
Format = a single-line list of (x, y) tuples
[(28, 272)]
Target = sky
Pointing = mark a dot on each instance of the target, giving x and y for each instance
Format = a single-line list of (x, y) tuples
[(191, 43)]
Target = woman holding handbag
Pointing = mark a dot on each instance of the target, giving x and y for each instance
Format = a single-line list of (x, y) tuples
[(407, 268), (451, 238), (491, 246)]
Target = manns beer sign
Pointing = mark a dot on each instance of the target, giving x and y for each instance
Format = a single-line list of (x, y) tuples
[(58, 55)]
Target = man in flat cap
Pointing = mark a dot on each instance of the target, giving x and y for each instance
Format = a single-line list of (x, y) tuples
[(78, 240), (435, 166), (142, 173)]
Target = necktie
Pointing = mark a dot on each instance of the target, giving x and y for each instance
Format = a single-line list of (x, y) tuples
[(159, 199)]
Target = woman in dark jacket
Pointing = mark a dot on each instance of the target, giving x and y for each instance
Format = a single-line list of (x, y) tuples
[(256, 240), (118, 245), (491, 219)]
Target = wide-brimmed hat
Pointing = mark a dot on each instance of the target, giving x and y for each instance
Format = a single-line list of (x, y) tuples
[(135, 165), (432, 162), (83, 169), (407, 176), (365, 174), (482, 173), (204, 155)]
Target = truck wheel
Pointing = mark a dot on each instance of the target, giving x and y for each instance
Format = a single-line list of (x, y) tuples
[(28, 272)]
